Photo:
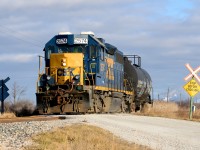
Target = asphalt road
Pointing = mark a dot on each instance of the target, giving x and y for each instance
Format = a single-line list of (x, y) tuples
[(154, 132)]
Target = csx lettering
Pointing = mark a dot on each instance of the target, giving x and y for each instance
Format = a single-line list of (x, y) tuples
[(102, 67)]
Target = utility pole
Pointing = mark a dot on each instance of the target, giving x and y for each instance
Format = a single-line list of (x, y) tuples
[(2, 99), (167, 94)]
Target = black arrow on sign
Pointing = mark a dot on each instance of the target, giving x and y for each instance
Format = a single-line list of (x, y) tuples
[(3, 92)]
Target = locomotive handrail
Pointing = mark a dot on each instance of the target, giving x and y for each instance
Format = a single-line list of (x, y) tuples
[(86, 76), (92, 72), (38, 79), (135, 57), (46, 70)]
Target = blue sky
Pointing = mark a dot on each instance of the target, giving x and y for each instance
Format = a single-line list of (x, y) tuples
[(164, 33)]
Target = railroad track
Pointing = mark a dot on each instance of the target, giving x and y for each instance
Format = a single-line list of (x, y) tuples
[(30, 118)]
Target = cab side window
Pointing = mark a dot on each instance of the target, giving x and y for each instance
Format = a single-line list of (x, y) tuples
[(102, 53), (93, 53)]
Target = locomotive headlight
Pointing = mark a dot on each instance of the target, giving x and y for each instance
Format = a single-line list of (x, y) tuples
[(48, 77), (63, 62), (76, 77)]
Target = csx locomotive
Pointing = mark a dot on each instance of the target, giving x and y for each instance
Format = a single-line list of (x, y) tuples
[(85, 74)]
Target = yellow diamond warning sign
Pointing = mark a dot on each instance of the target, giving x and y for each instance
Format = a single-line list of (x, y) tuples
[(192, 87)]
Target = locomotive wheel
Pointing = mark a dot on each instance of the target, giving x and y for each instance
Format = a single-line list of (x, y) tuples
[(123, 107), (76, 106), (98, 106), (107, 104), (95, 108), (62, 108), (45, 105), (130, 107)]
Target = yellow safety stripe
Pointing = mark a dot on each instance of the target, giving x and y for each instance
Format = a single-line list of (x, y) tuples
[(101, 88)]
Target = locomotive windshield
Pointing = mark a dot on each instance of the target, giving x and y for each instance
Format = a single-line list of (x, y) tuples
[(71, 49)]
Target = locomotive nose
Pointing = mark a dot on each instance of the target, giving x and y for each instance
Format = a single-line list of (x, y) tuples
[(67, 67)]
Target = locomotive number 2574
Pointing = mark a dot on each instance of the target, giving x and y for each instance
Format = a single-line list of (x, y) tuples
[(80, 41)]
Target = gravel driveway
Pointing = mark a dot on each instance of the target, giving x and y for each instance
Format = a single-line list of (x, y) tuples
[(154, 132)]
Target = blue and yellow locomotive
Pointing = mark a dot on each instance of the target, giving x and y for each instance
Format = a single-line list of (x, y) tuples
[(84, 74)]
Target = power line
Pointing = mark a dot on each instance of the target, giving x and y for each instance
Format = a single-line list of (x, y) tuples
[(16, 35), (26, 41), (9, 29)]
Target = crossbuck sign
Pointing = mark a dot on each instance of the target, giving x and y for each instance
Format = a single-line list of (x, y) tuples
[(192, 87), (193, 73)]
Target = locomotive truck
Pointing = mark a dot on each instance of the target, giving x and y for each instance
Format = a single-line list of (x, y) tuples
[(85, 74)]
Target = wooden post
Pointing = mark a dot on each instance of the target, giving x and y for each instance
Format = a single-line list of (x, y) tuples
[(2, 100), (191, 104)]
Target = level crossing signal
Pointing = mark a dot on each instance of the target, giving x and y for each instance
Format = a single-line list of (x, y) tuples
[(3, 92), (192, 87), (194, 73)]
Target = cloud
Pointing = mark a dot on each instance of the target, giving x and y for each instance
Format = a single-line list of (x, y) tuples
[(164, 34), (17, 58), (53, 3)]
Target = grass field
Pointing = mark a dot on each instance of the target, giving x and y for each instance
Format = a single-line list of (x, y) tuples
[(81, 137), (170, 110)]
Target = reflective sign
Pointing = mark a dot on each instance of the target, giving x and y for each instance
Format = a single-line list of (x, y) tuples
[(4, 89), (4, 95), (192, 87), (193, 73)]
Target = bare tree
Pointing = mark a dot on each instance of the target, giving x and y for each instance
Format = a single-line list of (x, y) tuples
[(17, 92)]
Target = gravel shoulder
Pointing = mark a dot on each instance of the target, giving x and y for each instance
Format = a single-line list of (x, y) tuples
[(154, 132)]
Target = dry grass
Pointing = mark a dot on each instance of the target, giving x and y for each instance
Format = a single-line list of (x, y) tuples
[(81, 137), (7, 115), (196, 114), (161, 109), (22, 108), (169, 110)]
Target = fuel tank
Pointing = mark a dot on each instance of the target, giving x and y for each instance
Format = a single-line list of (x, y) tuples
[(139, 80)]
